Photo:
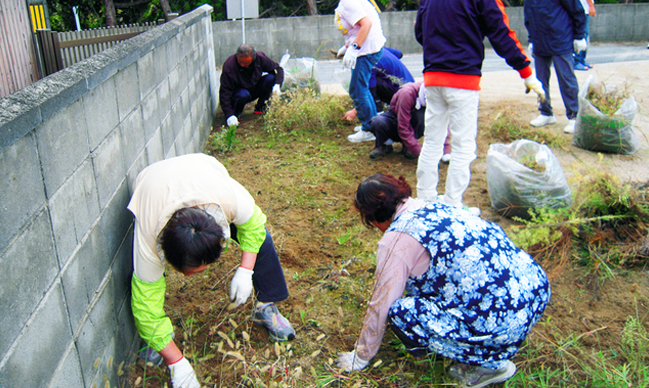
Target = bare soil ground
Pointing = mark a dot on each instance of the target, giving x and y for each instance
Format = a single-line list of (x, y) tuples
[(326, 256)]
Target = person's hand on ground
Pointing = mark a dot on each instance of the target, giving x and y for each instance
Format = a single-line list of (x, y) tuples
[(349, 361), (241, 286), (183, 375), (232, 120), (532, 83), (350, 115), (579, 45)]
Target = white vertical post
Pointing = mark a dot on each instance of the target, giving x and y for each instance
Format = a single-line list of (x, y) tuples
[(75, 11), (243, 25)]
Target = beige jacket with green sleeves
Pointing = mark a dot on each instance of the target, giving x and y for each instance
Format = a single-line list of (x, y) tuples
[(162, 188)]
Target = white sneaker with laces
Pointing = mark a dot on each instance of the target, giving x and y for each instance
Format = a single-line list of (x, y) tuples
[(361, 136), (358, 128), (570, 128), (543, 120), (473, 210)]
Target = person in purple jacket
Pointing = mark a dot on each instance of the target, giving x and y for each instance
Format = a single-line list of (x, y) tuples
[(242, 82), (403, 122)]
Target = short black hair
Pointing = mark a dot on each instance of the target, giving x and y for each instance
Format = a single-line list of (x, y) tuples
[(191, 238)]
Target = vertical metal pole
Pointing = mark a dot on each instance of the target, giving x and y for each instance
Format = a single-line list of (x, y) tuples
[(243, 25), (75, 11)]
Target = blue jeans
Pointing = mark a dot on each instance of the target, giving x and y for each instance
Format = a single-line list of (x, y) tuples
[(564, 66), (261, 91), (359, 88)]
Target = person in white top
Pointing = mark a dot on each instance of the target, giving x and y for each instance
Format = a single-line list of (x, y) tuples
[(186, 208), (359, 22)]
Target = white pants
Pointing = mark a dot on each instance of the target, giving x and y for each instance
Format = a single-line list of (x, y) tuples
[(457, 108)]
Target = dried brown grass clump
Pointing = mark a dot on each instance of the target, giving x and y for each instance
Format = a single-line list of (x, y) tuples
[(607, 101)]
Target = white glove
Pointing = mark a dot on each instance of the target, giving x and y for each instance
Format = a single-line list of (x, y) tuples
[(421, 97), (349, 60), (341, 51), (241, 286), (183, 375), (532, 83), (276, 90), (349, 361), (232, 120), (579, 45), (530, 48)]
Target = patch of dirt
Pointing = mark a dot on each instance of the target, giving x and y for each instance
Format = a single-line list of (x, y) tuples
[(330, 282)]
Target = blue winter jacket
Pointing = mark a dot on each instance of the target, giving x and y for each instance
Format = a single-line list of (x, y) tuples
[(452, 35), (553, 25)]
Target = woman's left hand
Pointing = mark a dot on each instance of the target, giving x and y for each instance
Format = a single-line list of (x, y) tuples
[(349, 361)]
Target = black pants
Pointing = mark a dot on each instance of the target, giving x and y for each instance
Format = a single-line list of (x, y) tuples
[(386, 126), (268, 278), (262, 91)]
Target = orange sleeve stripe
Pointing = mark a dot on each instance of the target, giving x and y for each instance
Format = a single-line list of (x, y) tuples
[(512, 34)]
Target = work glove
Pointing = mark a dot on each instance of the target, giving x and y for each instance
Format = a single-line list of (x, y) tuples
[(276, 90), (232, 120), (341, 51), (183, 375), (532, 83), (530, 49), (579, 45), (349, 60), (421, 97), (241, 286), (349, 361)]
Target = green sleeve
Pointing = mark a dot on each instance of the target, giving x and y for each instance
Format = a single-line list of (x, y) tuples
[(252, 233), (147, 303)]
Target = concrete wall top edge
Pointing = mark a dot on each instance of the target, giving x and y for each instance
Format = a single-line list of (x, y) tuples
[(24, 110)]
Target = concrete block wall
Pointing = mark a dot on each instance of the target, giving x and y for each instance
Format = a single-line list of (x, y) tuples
[(71, 146), (314, 36)]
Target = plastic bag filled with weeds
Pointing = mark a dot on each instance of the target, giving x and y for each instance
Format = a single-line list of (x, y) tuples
[(525, 175), (605, 119), (300, 73)]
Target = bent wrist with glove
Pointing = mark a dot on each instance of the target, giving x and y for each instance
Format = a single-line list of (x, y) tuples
[(183, 375)]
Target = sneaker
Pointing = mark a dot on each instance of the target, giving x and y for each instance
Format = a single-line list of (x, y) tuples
[(279, 328), (581, 67), (149, 355), (473, 376), (408, 155), (543, 120), (570, 128), (361, 136), (379, 152), (446, 158), (358, 128)]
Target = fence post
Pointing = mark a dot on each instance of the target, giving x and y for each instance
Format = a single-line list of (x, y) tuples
[(48, 41)]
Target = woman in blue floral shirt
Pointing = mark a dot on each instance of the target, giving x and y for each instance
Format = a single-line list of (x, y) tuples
[(470, 294)]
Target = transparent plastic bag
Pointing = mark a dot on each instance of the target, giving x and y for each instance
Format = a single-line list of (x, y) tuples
[(525, 175), (596, 131), (343, 76), (300, 73)]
